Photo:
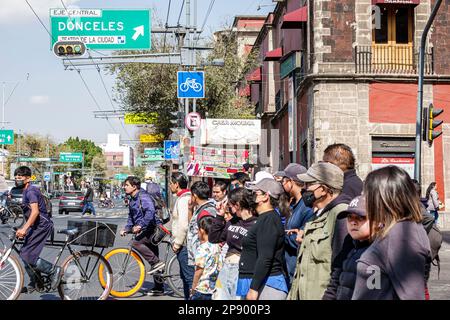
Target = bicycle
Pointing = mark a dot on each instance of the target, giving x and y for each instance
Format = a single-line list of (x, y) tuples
[(12, 214), (78, 271), (190, 83), (129, 269)]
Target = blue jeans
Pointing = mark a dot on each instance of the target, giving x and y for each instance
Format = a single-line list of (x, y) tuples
[(227, 282), (186, 271), (200, 296), (88, 205)]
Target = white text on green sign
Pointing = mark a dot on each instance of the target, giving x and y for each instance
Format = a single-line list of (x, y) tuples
[(102, 29), (6, 136), (70, 157)]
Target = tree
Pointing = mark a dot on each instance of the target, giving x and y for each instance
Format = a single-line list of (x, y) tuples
[(152, 88), (87, 147)]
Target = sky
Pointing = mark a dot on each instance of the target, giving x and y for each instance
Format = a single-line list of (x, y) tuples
[(43, 98)]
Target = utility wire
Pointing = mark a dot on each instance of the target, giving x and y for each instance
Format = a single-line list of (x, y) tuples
[(181, 11)]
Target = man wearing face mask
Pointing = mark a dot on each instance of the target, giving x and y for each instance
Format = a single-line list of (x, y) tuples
[(323, 236), (37, 228)]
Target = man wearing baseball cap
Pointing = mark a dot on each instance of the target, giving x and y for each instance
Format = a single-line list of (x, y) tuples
[(343, 276), (323, 237), (299, 216)]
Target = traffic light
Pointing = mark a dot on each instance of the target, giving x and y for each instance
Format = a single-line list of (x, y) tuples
[(179, 121), (69, 48), (432, 124)]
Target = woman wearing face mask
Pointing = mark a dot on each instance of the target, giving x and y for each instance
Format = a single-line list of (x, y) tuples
[(232, 232), (323, 236), (261, 267)]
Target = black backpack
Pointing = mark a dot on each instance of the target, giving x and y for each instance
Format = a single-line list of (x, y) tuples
[(48, 205)]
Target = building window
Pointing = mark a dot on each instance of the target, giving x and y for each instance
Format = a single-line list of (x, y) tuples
[(396, 24)]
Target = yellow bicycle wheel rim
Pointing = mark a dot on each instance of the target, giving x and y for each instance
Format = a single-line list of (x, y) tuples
[(137, 258)]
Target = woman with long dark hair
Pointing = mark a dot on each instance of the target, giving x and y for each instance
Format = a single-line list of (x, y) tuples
[(232, 232), (262, 274), (395, 265), (433, 201)]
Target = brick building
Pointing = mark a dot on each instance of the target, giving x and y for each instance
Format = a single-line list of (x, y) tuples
[(346, 71)]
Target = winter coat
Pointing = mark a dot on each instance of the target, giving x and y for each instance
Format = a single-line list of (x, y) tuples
[(353, 185), (343, 276), (322, 241), (394, 267)]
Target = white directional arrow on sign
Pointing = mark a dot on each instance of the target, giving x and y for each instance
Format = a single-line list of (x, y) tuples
[(139, 32), (9, 138)]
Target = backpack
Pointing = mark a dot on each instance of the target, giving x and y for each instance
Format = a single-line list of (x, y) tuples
[(435, 237), (48, 206), (162, 212)]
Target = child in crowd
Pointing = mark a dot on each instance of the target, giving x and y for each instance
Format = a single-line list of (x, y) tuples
[(343, 276), (207, 261)]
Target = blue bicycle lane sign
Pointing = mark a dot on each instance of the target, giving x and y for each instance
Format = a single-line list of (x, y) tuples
[(171, 150), (191, 84)]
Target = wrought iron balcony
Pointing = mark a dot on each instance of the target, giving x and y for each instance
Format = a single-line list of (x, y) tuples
[(391, 59)]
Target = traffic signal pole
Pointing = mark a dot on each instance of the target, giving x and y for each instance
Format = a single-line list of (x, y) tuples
[(419, 115)]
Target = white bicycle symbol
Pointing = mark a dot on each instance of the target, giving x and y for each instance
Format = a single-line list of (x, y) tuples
[(172, 151), (191, 83)]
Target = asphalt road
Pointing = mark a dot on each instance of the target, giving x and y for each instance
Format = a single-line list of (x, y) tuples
[(439, 286), (118, 216)]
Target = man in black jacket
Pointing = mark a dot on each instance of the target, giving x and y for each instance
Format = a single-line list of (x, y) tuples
[(88, 200), (342, 156)]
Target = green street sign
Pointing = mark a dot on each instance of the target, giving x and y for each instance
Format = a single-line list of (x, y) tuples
[(6, 136), (154, 151), (120, 176), (22, 159), (70, 157), (102, 29)]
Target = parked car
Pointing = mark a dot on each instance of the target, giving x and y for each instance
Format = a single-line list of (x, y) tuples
[(15, 197), (71, 201)]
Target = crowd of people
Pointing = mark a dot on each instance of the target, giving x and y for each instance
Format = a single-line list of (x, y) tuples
[(298, 234), (305, 233)]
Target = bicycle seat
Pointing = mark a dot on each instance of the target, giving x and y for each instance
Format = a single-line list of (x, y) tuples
[(70, 232)]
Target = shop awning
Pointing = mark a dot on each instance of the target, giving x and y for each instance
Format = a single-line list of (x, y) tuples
[(254, 76), (274, 55), (294, 19), (413, 2)]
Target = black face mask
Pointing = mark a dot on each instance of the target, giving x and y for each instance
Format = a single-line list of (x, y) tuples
[(252, 201), (20, 184), (309, 197)]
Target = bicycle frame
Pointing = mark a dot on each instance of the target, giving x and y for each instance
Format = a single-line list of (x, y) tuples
[(52, 243)]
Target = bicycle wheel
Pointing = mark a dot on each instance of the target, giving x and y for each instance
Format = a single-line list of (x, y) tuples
[(173, 277), (11, 278), (80, 277), (128, 276)]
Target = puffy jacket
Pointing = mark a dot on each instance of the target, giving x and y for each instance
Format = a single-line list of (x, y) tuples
[(343, 276), (322, 241), (141, 211)]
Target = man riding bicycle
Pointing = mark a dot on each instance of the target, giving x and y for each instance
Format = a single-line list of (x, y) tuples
[(142, 221), (37, 228)]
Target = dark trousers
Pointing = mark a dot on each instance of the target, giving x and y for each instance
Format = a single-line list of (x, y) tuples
[(186, 271), (144, 246), (201, 296)]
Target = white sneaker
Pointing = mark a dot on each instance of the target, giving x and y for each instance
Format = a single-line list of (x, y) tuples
[(158, 266)]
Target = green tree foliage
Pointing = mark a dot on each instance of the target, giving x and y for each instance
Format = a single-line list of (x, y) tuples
[(152, 88), (87, 147)]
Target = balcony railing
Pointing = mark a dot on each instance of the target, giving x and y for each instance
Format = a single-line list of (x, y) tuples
[(391, 59)]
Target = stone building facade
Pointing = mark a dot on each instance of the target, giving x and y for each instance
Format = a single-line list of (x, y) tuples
[(346, 72)]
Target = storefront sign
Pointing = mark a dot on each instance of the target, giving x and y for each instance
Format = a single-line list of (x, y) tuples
[(381, 144), (231, 132), (405, 163)]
